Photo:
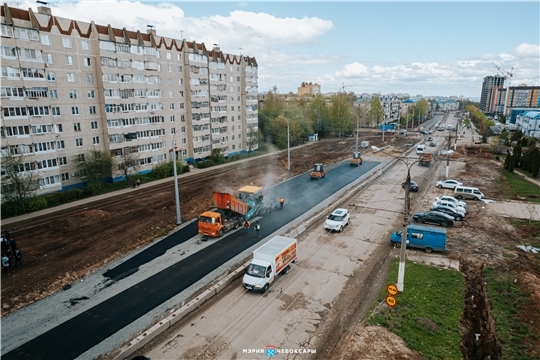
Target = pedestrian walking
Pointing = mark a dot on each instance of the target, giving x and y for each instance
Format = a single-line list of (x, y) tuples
[(138, 182), (18, 257), (246, 226), (7, 234), (281, 202), (258, 228), (5, 263), (13, 245), (6, 244)]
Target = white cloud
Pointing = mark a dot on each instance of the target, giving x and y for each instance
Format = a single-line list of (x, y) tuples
[(527, 50), (506, 57)]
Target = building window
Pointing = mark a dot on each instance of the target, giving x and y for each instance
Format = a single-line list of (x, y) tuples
[(171, 106), (178, 57), (60, 145), (94, 125), (55, 111), (86, 61), (71, 77), (181, 105), (80, 157), (170, 81), (66, 42), (77, 126), (95, 139), (169, 68), (172, 118), (173, 130), (171, 94), (53, 94), (47, 58), (72, 94), (179, 69), (69, 60), (74, 110), (92, 110), (169, 55), (85, 45), (45, 39), (51, 76), (65, 176), (58, 128), (89, 78), (91, 94), (78, 142)]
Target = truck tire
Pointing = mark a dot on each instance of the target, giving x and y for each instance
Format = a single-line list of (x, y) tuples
[(236, 225), (286, 270), (428, 249), (220, 233), (265, 288)]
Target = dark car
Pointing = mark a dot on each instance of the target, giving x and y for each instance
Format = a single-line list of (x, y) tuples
[(434, 218), (433, 144), (412, 188), (424, 132), (430, 139), (449, 211)]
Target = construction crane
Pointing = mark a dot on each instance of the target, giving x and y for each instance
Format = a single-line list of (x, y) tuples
[(507, 76)]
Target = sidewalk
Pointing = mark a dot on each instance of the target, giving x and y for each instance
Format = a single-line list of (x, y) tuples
[(192, 171)]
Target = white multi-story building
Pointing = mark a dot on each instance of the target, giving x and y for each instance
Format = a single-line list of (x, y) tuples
[(69, 87)]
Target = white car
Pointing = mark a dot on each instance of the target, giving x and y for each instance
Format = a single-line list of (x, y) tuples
[(447, 184), (463, 204), (449, 204), (338, 220)]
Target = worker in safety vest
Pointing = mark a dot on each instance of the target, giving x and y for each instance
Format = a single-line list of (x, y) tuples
[(281, 202)]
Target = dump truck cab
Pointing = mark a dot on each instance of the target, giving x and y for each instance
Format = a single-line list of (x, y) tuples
[(318, 172), (356, 159)]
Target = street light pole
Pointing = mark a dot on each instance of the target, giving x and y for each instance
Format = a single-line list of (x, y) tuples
[(288, 143), (403, 254), (357, 121), (176, 194)]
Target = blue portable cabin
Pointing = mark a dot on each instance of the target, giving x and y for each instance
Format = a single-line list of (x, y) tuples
[(422, 237)]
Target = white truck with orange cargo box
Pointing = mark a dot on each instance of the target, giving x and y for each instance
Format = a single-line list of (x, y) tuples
[(268, 261)]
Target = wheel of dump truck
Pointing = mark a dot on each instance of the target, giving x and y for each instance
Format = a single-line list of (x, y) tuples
[(236, 225), (220, 233)]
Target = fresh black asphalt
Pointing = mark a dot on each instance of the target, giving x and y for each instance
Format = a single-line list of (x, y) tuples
[(79, 334)]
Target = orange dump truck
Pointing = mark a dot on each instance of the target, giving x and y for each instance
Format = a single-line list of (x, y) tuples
[(425, 159), (229, 214)]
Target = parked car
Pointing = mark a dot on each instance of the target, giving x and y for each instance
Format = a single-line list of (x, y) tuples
[(424, 132), (463, 204), (337, 220), (458, 215), (413, 186), (440, 128), (422, 237), (451, 204), (433, 144), (429, 131), (430, 139), (434, 218), (447, 184)]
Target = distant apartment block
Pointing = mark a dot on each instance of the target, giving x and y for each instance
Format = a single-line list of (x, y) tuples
[(309, 89), (489, 92), (69, 87), (447, 105)]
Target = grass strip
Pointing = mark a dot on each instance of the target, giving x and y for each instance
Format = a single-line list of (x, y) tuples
[(521, 189), (428, 311)]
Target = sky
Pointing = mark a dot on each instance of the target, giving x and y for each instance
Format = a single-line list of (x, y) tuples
[(431, 48)]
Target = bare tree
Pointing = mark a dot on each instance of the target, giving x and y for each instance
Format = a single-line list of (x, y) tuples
[(96, 167), (19, 179), (128, 163)]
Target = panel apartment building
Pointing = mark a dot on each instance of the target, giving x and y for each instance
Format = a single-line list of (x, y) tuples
[(490, 88), (69, 87)]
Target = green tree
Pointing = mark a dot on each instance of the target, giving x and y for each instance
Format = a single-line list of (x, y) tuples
[(318, 114), (96, 167), (253, 138), (274, 105), (517, 155), (19, 180), (340, 114), (535, 162), (375, 110), (422, 108)]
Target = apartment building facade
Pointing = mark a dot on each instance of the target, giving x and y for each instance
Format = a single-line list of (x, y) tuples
[(69, 87), (490, 87)]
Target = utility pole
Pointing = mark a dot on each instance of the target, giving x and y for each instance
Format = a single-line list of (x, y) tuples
[(403, 254), (447, 153)]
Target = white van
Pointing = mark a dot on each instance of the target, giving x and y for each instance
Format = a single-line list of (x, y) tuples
[(465, 192), (420, 149)]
